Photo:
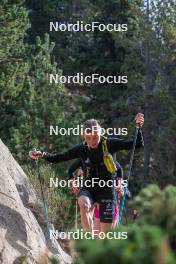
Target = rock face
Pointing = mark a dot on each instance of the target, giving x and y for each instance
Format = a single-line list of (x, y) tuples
[(20, 234)]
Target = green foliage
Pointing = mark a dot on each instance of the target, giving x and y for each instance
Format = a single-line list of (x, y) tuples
[(41, 104), (156, 207), (157, 97), (146, 53), (60, 201), (21, 259), (53, 260), (13, 62), (151, 239), (29, 104), (145, 244)]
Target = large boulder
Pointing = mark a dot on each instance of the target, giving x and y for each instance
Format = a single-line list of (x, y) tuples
[(21, 236)]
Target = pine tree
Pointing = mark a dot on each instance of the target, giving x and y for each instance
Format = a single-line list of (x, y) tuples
[(13, 62), (158, 97), (41, 104), (28, 103)]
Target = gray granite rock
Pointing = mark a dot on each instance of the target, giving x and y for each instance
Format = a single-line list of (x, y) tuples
[(20, 233)]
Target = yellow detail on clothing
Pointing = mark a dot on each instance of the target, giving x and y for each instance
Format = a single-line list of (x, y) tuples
[(107, 158)]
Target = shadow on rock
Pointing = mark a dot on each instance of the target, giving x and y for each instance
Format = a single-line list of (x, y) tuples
[(23, 193), (15, 227)]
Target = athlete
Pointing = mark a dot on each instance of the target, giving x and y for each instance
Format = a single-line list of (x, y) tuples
[(75, 173), (91, 153)]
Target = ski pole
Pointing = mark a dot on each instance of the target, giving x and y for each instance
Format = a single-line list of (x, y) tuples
[(128, 174), (45, 207)]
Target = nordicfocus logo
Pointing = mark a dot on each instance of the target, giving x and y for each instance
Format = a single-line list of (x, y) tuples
[(86, 27), (80, 234), (79, 130), (81, 182), (94, 78)]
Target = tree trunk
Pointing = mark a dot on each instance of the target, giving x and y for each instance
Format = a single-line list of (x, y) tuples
[(148, 90)]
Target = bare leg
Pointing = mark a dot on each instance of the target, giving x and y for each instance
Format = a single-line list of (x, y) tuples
[(105, 226), (115, 224), (96, 226), (86, 213)]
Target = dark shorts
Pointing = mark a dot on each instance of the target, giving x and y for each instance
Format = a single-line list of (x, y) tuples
[(107, 207), (108, 210)]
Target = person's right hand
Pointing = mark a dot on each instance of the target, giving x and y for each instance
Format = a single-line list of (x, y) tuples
[(120, 193), (35, 154)]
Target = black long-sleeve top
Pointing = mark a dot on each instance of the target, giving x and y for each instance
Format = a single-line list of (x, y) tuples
[(79, 164), (74, 166), (93, 158), (95, 155)]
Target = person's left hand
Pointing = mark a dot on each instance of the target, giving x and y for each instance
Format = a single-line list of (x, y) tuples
[(74, 188), (139, 120)]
